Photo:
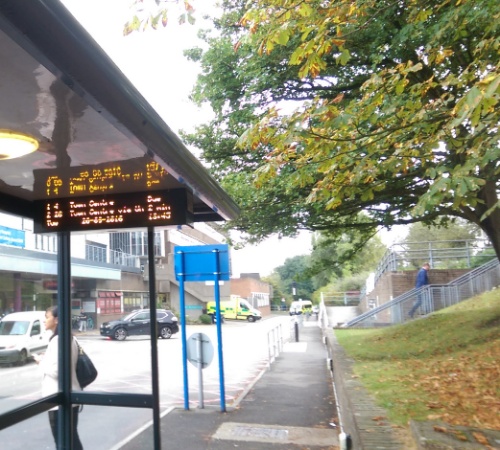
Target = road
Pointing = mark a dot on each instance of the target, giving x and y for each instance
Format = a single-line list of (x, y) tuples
[(126, 367)]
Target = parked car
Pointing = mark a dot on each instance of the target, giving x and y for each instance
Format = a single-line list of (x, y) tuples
[(21, 335), (138, 323)]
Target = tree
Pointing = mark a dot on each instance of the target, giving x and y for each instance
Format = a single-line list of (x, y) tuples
[(458, 231), (343, 257), (277, 294), (396, 113), (157, 15), (456, 246), (294, 273)]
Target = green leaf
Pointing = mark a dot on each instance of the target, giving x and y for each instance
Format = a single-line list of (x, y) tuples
[(400, 86), (282, 37), (345, 56), (305, 10)]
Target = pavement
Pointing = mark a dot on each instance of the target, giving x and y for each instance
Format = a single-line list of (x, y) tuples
[(290, 406), (308, 398)]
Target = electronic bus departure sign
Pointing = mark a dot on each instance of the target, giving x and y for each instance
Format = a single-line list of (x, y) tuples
[(108, 211), (131, 193), (131, 175)]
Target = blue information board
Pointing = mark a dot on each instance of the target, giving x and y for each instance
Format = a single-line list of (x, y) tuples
[(10, 236), (201, 262)]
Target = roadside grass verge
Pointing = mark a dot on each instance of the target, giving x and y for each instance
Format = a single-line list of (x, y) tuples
[(444, 367)]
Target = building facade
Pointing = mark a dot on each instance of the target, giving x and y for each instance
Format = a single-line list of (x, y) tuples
[(250, 287), (109, 270)]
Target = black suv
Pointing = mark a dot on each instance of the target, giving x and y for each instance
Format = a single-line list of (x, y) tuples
[(138, 322)]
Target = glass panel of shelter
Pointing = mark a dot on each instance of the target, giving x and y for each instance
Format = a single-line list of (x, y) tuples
[(125, 369)]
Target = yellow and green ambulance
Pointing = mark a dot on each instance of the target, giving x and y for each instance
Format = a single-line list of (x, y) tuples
[(235, 308)]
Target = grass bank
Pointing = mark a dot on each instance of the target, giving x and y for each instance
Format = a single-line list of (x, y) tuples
[(446, 366)]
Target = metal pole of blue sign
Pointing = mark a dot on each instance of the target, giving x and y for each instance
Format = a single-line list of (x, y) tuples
[(219, 330), (199, 351), (182, 307)]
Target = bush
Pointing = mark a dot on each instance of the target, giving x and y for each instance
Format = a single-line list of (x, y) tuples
[(205, 319)]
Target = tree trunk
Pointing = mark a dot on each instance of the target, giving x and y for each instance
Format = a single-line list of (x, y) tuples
[(491, 225)]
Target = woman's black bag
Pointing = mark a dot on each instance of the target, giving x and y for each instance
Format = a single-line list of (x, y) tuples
[(85, 369)]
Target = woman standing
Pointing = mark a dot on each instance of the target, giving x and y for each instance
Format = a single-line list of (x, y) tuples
[(82, 318), (49, 365)]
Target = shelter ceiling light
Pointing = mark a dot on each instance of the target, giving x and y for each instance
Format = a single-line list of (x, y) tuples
[(15, 145)]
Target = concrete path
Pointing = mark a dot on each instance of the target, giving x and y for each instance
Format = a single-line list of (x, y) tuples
[(291, 406)]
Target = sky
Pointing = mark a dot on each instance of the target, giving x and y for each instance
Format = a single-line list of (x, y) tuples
[(154, 63)]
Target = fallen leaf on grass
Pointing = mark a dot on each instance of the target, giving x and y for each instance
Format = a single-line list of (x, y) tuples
[(434, 416), (440, 429), (480, 437), (460, 436), (434, 405)]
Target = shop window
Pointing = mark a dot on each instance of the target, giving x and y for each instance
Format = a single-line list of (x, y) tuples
[(109, 302), (133, 301)]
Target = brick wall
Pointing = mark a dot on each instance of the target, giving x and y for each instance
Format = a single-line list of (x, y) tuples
[(244, 287)]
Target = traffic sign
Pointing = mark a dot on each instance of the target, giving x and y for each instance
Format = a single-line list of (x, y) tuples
[(200, 350)]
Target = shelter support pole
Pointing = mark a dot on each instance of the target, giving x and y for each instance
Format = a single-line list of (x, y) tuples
[(219, 331), (65, 416), (155, 388)]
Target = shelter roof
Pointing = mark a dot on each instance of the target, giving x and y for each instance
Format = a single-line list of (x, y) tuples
[(58, 86)]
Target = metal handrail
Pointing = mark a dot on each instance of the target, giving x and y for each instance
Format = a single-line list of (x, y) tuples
[(398, 300), (401, 256), (434, 296), (476, 272)]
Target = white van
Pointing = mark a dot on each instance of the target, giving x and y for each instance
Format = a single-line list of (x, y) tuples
[(21, 335)]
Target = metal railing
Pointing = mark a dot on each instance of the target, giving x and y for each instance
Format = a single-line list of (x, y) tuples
[(117, 257), (341, 298), (431, 298), (275, 342), (123, 259), (288, 331), (440, 254)]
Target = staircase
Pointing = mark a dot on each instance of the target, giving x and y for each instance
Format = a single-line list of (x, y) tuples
[(434, 297)]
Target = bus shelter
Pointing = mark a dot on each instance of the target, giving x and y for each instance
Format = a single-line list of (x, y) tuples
[(94, 156)]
